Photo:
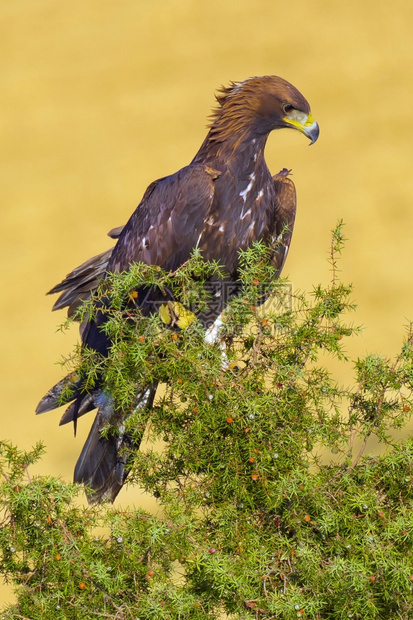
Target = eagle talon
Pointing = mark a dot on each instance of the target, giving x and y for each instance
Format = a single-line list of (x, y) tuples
[(174, 314)]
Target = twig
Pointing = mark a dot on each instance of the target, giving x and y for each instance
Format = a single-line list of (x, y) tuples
[(360, 454)]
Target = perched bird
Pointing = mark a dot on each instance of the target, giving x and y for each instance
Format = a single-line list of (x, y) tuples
[(223, 201)]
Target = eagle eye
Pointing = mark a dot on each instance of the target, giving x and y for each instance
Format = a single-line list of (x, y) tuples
[(287, 107)]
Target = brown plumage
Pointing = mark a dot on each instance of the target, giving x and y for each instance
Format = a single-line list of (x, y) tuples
[(222, 202)]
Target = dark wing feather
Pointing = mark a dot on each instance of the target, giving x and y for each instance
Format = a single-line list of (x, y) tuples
[(80, 283)]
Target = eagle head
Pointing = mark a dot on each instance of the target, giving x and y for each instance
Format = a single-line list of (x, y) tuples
[(262, 104)]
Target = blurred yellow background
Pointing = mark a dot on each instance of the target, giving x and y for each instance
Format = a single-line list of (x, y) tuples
[(99, 98)]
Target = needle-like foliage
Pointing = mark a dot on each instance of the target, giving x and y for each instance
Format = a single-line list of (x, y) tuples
[(270, 507)]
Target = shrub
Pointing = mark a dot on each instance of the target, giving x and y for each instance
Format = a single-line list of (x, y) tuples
[(254, 523)]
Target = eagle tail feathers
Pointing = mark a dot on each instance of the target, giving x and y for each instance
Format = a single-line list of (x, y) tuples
[(102, 464)]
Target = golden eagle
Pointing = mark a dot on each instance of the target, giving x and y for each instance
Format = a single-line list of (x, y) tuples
[(223, 201)]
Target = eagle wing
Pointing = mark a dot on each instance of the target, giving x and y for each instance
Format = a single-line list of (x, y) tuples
[(285, 210), (164, 227), (162, 231)]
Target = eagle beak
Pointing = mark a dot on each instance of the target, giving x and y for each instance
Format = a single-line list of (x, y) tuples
[(304, 123), (311, 130)]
